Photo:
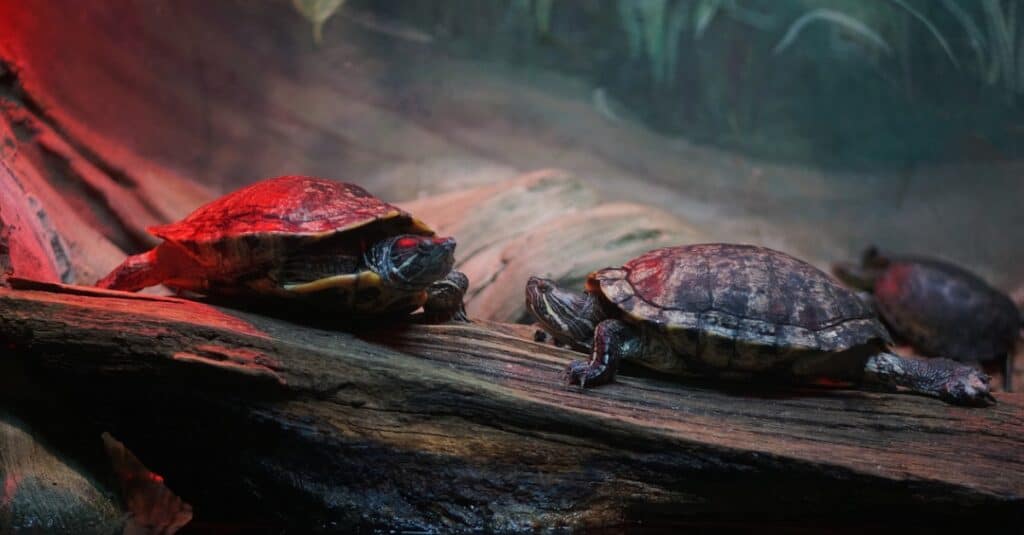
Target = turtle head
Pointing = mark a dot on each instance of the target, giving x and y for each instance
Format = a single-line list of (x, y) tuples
[(863, 275), (570, 317), (410, 261)]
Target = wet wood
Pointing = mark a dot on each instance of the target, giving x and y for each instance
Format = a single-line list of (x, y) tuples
[(467, 426)]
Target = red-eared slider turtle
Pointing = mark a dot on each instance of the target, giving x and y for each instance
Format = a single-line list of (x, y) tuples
[(938, 308), (723, 309), (296, 236)]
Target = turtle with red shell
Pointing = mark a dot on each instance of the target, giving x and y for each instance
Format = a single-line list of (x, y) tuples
[(296, 237), (939, 308)]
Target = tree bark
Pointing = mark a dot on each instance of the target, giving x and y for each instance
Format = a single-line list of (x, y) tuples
[(459, 427)]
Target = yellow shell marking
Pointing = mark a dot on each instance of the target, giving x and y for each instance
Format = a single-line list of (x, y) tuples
[(362, 279)]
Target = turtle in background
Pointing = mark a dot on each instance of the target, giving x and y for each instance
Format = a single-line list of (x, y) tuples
[(294, 237), (938, 308), (734, 310)]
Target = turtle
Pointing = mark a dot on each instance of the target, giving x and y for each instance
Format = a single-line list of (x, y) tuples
[(297, 237), (939, 308), (734, 310)]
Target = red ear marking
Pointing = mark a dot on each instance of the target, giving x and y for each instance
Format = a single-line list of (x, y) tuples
[(407, 242)]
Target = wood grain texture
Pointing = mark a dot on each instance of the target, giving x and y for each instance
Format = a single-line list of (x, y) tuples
[(87, 212), (467, 426), (27, 247), (42, 492), (547, 222)]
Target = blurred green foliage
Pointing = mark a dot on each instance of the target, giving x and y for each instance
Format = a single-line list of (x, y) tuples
[(849, 81), (317, 12)]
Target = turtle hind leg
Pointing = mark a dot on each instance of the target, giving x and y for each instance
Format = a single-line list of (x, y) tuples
[(135, 273), (943, 378)]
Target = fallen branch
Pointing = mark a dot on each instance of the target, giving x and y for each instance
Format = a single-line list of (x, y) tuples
[(465, 426)]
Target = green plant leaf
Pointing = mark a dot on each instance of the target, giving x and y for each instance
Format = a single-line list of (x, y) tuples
[(542, 12), (974, 35), (1000, 31), (834, 17), (317, 12), (931, 28), (630, 23), (706, 10), (677, 20)]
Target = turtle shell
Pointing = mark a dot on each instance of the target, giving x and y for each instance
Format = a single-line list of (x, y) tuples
[(738, 307), (945, 311), (256, 223)]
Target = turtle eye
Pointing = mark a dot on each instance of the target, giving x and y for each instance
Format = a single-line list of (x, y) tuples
[(407, 243)]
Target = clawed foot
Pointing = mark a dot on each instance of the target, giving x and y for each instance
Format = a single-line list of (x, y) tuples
[(966, 386), (444, 299), (581, 372)]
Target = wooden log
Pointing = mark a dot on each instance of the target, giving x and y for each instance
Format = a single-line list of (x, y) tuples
[(28, 246), (84, 211), (43, 492), (459, 427), (44, 237), (546, 223)]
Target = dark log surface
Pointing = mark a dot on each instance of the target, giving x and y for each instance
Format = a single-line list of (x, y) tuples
[(466, 426)]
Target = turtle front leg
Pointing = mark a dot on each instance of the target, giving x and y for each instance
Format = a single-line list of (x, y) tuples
[(614, 341), (444, 299), (942, 378)]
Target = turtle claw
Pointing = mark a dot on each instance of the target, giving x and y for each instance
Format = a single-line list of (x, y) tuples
[(576, 372), (967, 386), (943, 378), (585, 373)]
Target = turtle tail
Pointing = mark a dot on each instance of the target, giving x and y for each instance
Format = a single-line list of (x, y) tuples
[(135, 273)]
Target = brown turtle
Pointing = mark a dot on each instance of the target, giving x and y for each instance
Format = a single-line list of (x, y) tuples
[(938, 308), (724, 309), (296, 236)]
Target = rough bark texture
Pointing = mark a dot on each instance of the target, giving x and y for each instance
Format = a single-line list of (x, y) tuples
[(466, 426), (546, 223)]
